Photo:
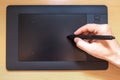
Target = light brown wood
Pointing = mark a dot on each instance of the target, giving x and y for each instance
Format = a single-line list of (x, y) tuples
[(113, 73)]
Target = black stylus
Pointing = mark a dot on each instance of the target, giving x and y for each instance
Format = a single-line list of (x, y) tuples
[(99, 37)]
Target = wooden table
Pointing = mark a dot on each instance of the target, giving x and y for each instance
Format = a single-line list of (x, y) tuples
[(112, 73)]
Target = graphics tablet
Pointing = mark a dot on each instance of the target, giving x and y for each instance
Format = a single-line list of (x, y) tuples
[(37, 37)]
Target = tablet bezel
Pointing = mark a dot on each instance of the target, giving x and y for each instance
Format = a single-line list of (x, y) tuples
[(12, 62)]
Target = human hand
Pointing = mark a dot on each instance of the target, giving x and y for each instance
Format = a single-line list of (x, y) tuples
[(104, 49)]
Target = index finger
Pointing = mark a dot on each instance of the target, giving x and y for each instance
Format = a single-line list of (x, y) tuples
[(86, 28)]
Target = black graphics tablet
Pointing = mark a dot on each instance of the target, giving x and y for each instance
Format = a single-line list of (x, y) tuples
[(37, 37)]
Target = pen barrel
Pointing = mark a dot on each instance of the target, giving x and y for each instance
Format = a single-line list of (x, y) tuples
[(101, 37)]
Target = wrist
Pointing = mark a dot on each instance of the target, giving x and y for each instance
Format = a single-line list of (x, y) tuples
[(115, 58)]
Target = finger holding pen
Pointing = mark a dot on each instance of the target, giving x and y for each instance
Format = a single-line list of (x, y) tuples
[(104, 49), (96, 29)]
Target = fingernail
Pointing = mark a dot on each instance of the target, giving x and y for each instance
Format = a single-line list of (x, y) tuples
[(76, 39), (75, 32)]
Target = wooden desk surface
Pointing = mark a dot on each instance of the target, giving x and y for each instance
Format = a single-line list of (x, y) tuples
[(113, 73)]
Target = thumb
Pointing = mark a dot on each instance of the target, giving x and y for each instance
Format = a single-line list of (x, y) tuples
[(85, 46)]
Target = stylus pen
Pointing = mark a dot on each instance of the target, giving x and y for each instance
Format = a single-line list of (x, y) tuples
[(99, 37)]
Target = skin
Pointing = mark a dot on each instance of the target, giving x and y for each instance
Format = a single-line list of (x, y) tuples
[(108, 50)]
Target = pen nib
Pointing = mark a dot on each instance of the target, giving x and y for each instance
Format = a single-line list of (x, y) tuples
[(71, 37)]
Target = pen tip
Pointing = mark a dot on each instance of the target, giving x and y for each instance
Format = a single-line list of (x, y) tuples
[(71, 37)]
